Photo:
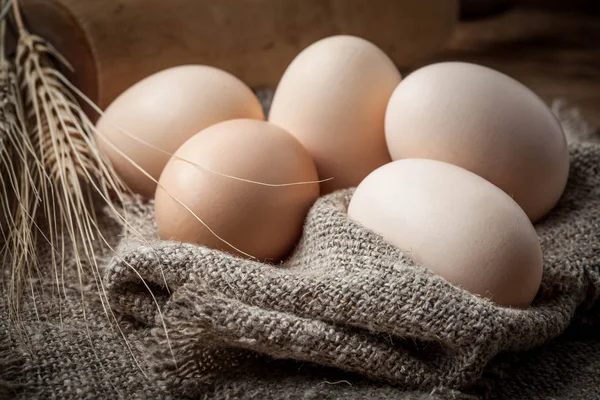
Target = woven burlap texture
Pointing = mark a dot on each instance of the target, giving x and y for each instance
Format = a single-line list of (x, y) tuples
[(347, 299)]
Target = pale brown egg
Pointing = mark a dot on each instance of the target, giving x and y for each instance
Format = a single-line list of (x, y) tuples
[(166, 109), (456, 224), (333, 98), (486, 122), (262, 221)]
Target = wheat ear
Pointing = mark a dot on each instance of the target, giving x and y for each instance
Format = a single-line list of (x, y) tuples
[(20, 174), (73, 170)]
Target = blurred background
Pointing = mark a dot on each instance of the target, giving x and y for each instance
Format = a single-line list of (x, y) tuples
[(552, 46)]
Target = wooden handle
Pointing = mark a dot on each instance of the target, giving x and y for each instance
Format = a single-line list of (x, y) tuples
[(114, 43)]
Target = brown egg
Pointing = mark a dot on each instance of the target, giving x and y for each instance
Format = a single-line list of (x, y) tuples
[(333, 98), (165, 110), (262, 221), (486, 122), (455, 223)]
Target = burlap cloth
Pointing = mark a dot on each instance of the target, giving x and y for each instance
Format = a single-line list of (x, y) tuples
[(346, 316)]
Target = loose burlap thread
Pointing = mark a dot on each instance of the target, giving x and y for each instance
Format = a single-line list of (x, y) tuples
[(344, 299)]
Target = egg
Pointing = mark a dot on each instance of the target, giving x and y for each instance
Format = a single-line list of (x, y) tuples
[(333, 98), (162, 112), (456, 224), (260, 221), (484, 121)]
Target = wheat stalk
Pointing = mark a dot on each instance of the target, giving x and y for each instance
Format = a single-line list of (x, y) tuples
[(18, 182), (57, 132), (70, 173)]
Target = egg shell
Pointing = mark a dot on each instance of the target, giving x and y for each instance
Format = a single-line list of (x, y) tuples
[(333, 98), (264, 222), (455, 223), (486, 122), (165, 110)]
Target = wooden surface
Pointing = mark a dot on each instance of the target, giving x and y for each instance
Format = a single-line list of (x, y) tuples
[(253, 39), (552, 46), (553, 50)]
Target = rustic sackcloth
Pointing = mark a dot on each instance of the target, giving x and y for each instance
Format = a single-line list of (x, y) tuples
[(346, 316)]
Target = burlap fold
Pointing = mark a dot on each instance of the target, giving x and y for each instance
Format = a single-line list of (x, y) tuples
[(347, 299)]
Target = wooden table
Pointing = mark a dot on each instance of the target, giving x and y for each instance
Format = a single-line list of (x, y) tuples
[(555, 51)]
